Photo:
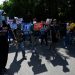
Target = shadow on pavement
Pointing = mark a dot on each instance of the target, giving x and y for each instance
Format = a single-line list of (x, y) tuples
[(15, 66), (36, 63), (61, 61), (54, 57), (70, 48)]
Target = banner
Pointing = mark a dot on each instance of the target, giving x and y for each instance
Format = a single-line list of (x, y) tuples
[(19, 20), (9, 21)]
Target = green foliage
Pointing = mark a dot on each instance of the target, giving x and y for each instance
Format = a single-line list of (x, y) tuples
[(1, 6), (38, 8)]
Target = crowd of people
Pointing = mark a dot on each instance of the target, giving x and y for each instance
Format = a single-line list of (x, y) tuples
[(43, 30)]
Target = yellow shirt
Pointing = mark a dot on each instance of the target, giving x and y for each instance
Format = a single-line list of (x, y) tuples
[(71, 26)]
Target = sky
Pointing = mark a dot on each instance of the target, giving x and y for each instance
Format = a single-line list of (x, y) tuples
[(1, 1)]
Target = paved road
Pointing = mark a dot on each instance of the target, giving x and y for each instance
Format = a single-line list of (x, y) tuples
[(42, 62)]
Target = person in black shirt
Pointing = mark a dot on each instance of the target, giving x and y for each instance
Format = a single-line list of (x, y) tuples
[(4, 46), (19, 35), (54, 31)]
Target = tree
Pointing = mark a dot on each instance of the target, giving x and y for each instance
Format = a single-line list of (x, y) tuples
[(40, 8), (1, 6)]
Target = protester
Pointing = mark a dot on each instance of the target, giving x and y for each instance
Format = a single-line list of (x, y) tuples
[(13, 27), (20, 42), (53, 34), (27, 31), (43, 33), (4, 46)]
